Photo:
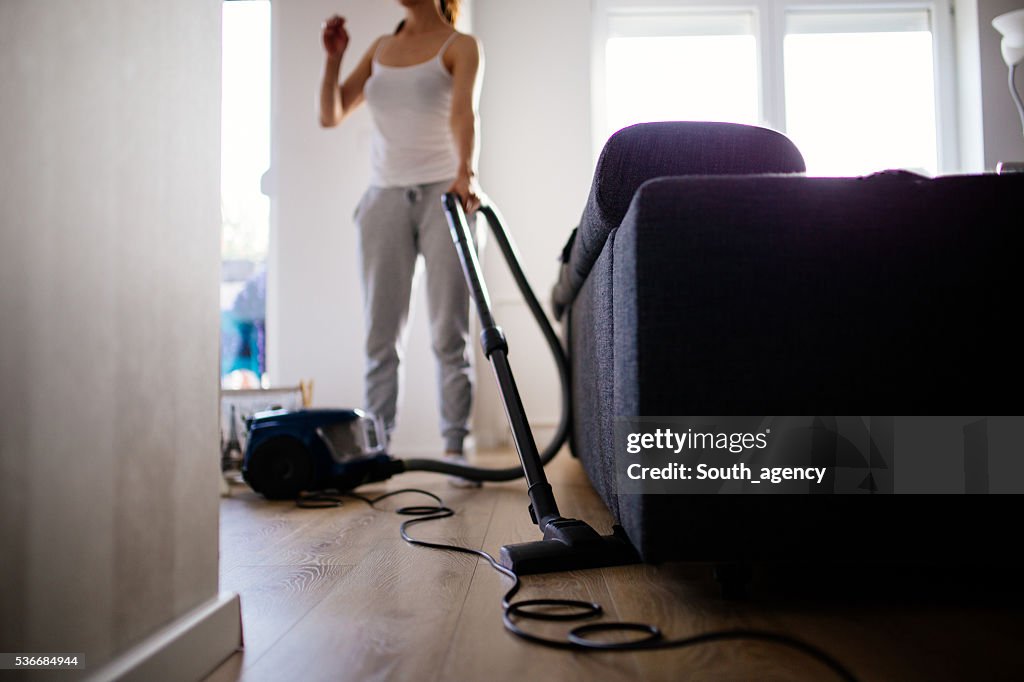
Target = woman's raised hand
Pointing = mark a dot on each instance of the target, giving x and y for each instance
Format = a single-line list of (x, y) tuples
[(335, 36)]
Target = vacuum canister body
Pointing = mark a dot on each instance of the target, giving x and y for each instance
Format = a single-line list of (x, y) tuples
[(309, 450)]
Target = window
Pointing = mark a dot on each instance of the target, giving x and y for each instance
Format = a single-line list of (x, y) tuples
[(856, 87), (245, 210), (700, 67), (860, 91)]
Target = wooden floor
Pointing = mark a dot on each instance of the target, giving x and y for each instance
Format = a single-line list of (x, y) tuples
[(335, 594)]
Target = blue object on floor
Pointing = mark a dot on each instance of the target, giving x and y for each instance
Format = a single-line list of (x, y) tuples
[(290, 452)]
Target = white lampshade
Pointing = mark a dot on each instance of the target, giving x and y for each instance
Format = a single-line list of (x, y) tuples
[(1011, 25)]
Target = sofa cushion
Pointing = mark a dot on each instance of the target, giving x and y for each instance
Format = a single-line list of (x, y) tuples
[(644, 151), (891, 294)]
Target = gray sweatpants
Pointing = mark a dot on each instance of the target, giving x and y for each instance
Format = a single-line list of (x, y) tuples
[(396, 225)]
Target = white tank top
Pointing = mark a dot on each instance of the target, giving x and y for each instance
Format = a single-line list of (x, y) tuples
[(412, 140)]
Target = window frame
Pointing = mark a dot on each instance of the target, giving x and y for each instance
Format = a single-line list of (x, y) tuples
[(769, 25)]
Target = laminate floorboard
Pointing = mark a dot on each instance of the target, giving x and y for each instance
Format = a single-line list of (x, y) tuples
[(276, 598), (335, 594), (480, 644)]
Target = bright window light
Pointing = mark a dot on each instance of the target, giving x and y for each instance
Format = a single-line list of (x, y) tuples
[(707, 71), (245, 129), (245, 210), (860, 92)]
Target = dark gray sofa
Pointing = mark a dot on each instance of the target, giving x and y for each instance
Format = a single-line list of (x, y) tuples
[(708, 277)]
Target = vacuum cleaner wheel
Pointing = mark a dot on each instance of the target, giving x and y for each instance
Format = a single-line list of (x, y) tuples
[(280, 468)]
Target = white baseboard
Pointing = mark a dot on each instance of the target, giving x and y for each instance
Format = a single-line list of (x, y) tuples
[(189, 648)]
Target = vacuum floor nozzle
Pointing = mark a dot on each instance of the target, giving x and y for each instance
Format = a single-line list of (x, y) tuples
[(569, 545)]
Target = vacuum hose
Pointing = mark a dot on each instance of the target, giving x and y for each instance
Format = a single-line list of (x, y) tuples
[(511, 255)]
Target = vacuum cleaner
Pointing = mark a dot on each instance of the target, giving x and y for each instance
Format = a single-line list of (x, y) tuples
[(288, 453)]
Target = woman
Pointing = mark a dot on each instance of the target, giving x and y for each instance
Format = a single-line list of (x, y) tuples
[(422, 86)]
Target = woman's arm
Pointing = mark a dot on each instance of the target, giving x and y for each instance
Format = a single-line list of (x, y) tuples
[(338, 101), (467, 75)]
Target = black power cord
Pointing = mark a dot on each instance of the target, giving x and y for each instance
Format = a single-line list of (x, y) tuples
[(579, 638)]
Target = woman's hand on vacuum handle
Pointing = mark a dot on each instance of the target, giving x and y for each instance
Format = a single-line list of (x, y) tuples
[(468, 190), (335, 37)]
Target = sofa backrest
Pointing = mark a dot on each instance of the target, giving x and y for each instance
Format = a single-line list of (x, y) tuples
[(644, 151)]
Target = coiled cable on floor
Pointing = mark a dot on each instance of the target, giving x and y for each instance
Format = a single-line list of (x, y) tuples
[(579, 638)]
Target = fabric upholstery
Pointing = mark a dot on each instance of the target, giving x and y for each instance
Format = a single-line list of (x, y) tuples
[(644, 151), (592, 374), (892, 294)]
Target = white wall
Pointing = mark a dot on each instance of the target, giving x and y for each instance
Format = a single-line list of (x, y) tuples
[(990, 128), (537, 166), (109, 268), (1004, 139), (969, 97)]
